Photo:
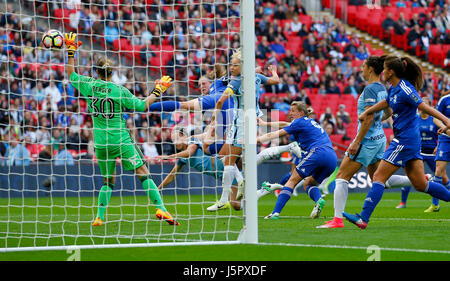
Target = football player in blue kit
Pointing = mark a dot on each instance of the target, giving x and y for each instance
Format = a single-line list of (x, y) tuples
[(318, 162), (405, 77), (232, 149), (429, 137)]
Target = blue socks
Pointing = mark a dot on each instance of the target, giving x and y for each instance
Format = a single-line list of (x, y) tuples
[(165, 106), (405, 193), (373, 197), (283, 197), (438, 191), (285, 178), (314, 193)]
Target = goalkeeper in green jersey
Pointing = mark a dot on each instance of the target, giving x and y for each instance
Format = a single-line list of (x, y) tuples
[(111, 137)]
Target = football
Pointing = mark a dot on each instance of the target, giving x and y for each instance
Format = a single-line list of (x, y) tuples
[(53, 39)]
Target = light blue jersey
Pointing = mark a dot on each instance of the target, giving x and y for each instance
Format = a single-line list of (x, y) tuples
[(372, 94), (202, 162)]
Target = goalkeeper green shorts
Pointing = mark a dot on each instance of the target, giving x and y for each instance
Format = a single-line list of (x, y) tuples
[(130, 154)]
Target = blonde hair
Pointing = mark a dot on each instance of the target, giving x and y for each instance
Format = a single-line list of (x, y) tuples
[(301, 106), (237, 54)]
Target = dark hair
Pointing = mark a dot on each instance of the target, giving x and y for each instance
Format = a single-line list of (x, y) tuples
[(377, 63), (406, 68), (103, 67)]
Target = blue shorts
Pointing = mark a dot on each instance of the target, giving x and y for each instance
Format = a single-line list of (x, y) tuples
[(215, 147), (295, 160), (430, 160), (443, 152), (369, 154), (399, 153), (320, 162)]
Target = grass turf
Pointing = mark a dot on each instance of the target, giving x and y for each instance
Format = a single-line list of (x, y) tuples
[(400, 234)]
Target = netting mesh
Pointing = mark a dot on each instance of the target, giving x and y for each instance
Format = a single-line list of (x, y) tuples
[(50, 178)]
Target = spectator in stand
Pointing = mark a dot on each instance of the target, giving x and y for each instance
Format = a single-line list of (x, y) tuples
[(63, 157), (149, 147), (352, 88), (282, 87), (413, 36), (340, 128), (343, 114), (310, 45), (263, 50), (280, 13), (303, 97), (111, 32), (426, 37), (341, 36), (312, 67), (333, 88), (429, 19), (295, 26), (388, 24), (362, 53), (441, 22), (312, 81), (282, 105), (329, 128), (322, 89), (327, 116), (401, 24), (277, 46), (292, 87), (415, 20), (16, 153), (401, 4), (299, 7)]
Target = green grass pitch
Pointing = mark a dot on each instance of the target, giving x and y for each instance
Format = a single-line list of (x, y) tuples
[(398, 234)]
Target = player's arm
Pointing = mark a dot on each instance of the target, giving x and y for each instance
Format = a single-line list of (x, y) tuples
[(445, 126), (387, 113), (365, 127), (381, 105), (277, 125), (183, 154), (225, 95), (171, 176), (271, 136), (161, 86), (72, 46)]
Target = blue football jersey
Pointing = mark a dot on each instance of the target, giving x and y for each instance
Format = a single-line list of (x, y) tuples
[(428, 134), (404, 100), (444, 107), (308, 133)]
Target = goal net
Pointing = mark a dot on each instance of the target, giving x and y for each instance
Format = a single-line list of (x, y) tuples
[(50, 177)]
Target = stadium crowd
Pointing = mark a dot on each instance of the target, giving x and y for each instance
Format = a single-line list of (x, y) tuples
[(44, 119)]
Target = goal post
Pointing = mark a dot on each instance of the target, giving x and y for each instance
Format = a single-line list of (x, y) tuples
[(250, 234)]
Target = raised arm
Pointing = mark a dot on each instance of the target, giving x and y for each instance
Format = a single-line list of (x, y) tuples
[(71, 46), (274, 79), (271, 135)]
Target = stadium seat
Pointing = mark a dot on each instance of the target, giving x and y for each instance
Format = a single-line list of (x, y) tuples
[(351, 14)]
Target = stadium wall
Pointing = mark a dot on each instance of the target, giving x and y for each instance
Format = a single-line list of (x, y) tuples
[(84, 180)]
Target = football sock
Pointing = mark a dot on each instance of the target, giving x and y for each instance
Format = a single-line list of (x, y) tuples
[(405, 193), (165, 106), (373, 197), (438, 190), (331, 178), (396, 181), (238, 174), (270, 152), (282, 199), (340, 197), (227, 182), (314, 193), (103, 200), (152, 192), (436, 179)]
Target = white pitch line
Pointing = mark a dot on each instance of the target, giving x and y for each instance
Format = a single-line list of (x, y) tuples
[(355, 247)]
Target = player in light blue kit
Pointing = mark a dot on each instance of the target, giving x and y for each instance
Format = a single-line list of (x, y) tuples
[(193, 156), (232, 148), (369, 144), (429, 137), (406, 77), (318, 163)]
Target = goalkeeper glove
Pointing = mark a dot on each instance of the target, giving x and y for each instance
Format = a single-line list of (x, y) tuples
[(71, 45), (162, 85)]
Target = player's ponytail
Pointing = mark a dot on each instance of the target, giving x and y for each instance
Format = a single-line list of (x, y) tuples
[(406, 68), (104, 68)]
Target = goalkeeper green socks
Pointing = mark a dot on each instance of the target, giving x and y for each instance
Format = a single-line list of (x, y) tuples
[(152, 192), (103, 200)]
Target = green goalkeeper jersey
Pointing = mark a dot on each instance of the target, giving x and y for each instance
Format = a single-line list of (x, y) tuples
[(106, 101)]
